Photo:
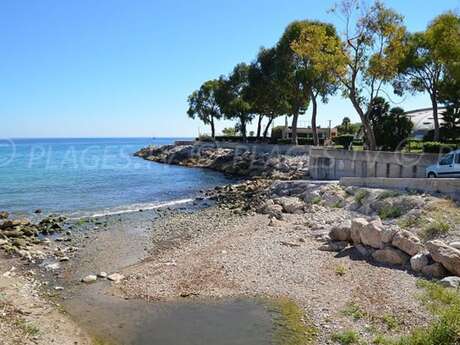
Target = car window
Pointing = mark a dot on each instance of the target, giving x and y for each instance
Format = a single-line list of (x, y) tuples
[(447, 160), (457, 158)]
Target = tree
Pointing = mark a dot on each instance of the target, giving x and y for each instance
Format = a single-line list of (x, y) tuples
[(427, 57), (292, 74), (232, 97), (391, 126), (347, 127), (373, 45), (320, 51), (203, 104), (264, 90), (230, 132)]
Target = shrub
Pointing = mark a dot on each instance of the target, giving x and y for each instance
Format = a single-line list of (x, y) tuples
[(390, 212), (437, 227), (345, 140), (361, 195), (388, 194), (346, 337), (437, 147), (354, 311), (301, 141)]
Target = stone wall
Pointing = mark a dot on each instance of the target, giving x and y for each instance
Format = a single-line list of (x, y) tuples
[(447, 186), (333, 164)]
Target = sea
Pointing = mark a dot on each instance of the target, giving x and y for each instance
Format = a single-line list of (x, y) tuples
[(93, 176)]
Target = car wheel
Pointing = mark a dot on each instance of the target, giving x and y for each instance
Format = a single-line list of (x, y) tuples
[(431, 175)]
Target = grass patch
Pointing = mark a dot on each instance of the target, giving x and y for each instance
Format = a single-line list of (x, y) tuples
[(391, 322), (361, 195), (346, 338), (390, 212), (28, 328), (410, 222), (435, 228), (291, 327), (388, 194), (340, 270), (316, 200), (445, 306), (354, 311)]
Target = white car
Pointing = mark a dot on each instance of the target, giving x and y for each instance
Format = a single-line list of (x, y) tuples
[(448, 166)]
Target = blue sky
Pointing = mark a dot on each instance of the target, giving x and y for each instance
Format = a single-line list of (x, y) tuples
[(86, 68)]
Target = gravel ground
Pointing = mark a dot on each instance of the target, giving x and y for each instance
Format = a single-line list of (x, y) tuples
[(26, 317), (215, 253)]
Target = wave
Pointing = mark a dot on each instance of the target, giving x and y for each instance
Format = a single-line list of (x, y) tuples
[(128, 209)]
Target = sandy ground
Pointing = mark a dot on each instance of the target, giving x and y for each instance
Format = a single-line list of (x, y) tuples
[(27, 318), (214, 253)]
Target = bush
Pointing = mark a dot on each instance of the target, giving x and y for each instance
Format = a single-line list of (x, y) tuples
[(301, 141), (437, 147), (277, 132), (344, 140), (390, 212)]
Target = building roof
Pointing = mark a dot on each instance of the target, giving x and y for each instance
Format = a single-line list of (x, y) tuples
[(423, 118)]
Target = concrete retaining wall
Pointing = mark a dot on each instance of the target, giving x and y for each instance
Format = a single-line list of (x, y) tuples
[(449, 187), (290, 150), (333, 164)]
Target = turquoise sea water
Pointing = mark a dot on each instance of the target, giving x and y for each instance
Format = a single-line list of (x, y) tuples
[(92, 176)]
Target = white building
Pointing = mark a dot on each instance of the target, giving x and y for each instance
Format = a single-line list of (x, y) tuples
[(423, 120)]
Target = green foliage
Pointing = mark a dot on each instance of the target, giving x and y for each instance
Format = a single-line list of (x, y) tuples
[(232, 97), (300, 141), (437, 147), (391, 322), (203, 104), (344, 140), (390, 212), (347, 127), (346, 338), (388, 194), (229, 132), (316, 200), (340, 270), (361, 195), (435, 228), (354, 311), (391, 126), (277, 132)]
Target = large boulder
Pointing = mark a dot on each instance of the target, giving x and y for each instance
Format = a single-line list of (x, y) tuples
[(419, 261), (390, 256), (450, 282), (446, 255), (4, 215), (272, 209), (291, 204), (435, 270), (407, 242), (455, 244), (341, 232), (357, 226), (371, 234)]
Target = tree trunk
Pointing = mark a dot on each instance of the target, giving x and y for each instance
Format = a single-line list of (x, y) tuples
[(213, 129), (367, 128), (313, 119), (268, 127), (243, 128), (295, 118), (434, 104), (259, 126)]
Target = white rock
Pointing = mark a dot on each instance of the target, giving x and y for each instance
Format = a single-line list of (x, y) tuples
[(102, 274), (58, 288), (450, 282), (53, 266), (89, 279), (455, 244), (418, 261), (446, 255), (407, 242), (357, 225), (116, 277), (371, 234)]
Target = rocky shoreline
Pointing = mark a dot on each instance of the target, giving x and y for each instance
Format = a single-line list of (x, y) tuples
[(230, 161)]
